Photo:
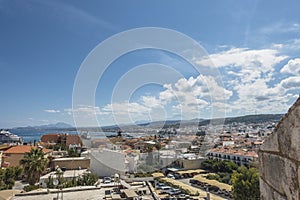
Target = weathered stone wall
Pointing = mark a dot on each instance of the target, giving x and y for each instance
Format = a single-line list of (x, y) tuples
[(279, 159)]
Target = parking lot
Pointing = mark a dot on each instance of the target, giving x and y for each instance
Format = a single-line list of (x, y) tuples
[(167, 192)]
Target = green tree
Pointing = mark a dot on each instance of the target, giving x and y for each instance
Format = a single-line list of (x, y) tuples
[(34, 164), (219, 166), (245, 184), (87, 179), (208, 164), (73, 153), (8, 177), (229, 166)]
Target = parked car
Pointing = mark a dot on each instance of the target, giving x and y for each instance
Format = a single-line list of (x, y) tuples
[(178, 176), (193, 181), (174, 192), (165, 189), (159, 185), (171, 176), (107, 180), (116, 190)]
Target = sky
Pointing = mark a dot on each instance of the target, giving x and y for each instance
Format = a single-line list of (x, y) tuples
[(253, 46)]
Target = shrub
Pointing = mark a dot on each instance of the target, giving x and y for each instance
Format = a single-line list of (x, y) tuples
[(28, 188), (213, 177)]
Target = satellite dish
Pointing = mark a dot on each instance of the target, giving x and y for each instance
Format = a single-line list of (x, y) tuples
[(55, 182)]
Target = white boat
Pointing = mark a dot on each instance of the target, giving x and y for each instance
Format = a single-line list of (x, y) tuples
[(8, 137)]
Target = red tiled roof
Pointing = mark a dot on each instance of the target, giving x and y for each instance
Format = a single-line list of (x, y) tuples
[(21, 149), (73, 139), (51, 137)]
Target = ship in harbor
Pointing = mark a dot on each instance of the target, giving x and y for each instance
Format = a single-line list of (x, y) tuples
[(8, 137)]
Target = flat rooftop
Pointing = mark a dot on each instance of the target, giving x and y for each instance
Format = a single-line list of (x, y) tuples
[(70, 159), (66, 174)]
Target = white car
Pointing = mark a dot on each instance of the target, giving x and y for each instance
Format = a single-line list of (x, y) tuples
[(171, 176), (174, 191), (107, 180), (165, 189), (159, 185)]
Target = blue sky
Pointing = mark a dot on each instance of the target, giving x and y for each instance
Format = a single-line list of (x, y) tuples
[(254, 44)]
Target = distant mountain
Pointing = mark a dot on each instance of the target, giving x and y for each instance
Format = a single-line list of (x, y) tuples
[(59, 125), (244, 119), (165, 124), (142, 122)]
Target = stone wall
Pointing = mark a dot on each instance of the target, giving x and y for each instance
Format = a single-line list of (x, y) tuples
[(71, 163), (279, 159)]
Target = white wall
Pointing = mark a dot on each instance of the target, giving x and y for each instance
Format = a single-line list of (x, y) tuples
[(107, 162)]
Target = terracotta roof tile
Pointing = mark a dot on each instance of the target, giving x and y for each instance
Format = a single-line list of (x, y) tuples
[(20, 149)]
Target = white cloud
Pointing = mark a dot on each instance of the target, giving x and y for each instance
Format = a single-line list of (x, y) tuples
[(127, 112), (86, 110), (52, 111), (280, 28), (291, 82), (289, 46), (123, 108), (292, 67), (152, 102), (249, 73), (252, 84), (266, 59), (185, 98)]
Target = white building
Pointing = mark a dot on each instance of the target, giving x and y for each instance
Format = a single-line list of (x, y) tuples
[(107, 162), (227, 143), (238, 156)]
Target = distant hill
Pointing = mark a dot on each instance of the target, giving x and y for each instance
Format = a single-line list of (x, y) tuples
[(59, 125), (245, 119), (261, 118), (163, 124)]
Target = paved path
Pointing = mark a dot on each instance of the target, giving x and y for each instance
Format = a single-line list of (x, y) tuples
[(78, 195), (7, 194)]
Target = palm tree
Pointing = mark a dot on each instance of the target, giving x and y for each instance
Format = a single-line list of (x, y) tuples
[(34, 164)]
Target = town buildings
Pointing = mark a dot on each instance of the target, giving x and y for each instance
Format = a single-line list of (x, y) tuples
[(14, 154), (238, 156)]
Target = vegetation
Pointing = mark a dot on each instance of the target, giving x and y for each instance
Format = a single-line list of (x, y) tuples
[(245, 184), (219, 166), (57, 147), (222, 170), (84, 180), (34, 164), (73, 153), (147, 174), (8, 177), (28, 188)]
